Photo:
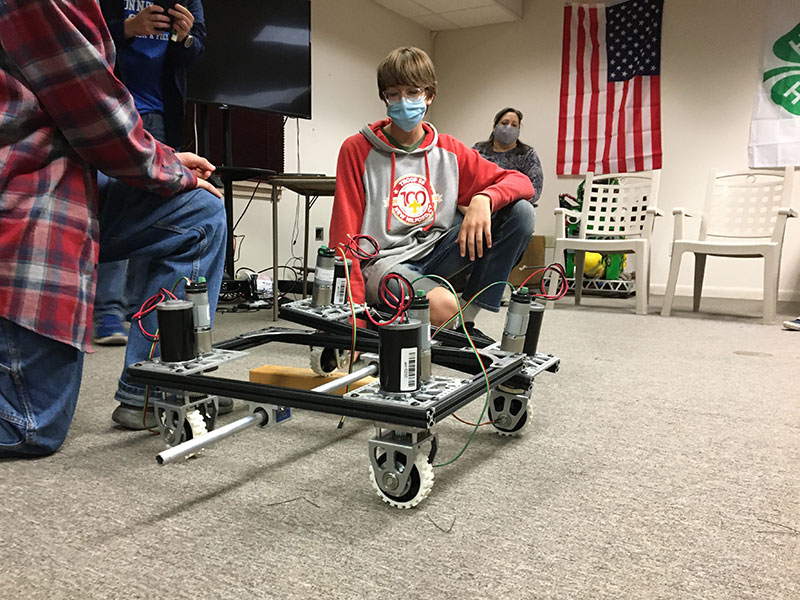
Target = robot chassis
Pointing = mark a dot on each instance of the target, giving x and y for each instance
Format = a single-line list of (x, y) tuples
[(405, 443)]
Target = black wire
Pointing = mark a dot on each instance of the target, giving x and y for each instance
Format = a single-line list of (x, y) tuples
[(244, 269), (253, 195)]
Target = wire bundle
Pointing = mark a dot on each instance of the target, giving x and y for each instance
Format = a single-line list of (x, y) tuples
[(148, 307)]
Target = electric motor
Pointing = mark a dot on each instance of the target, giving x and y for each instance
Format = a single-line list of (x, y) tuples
[(398, 350), (323, 277), (516, 321)]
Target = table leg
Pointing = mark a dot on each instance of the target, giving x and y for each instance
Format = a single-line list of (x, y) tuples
[(305, 250), (275, 280)]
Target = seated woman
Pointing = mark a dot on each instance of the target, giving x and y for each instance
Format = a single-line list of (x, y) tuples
[(504, 149)]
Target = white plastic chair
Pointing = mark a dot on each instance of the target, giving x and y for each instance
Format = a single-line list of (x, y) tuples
[(614, 217), (744, 216)]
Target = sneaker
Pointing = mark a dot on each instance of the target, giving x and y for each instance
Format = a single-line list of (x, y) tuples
[(132, 417), (224, 405), (795, 325), (476, 334), (108, 331)]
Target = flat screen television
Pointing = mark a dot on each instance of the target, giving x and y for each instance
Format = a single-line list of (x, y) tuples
[(257, 56)]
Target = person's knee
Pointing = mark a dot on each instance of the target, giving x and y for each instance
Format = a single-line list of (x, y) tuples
[(443, 305), (523, 215), (210, 212), (40, 440)]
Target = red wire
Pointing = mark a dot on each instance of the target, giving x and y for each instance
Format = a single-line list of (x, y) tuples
[(457, 418), (563, 286), (354, 246), (149, 306), (400, 306)]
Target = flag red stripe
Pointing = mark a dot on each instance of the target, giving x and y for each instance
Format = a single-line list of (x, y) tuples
[(562, 121), (595, 87), (622, 165), (655, 118), (581, 48), (638, 158)]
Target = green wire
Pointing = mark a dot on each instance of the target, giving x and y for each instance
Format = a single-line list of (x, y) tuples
[(480, 362), (471, 300), (355, 329), (184, 278)]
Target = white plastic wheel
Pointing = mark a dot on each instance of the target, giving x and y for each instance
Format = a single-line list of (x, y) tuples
[(324, 361), (421, 483)]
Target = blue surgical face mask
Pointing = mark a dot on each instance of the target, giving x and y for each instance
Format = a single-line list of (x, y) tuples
[(407, 114)]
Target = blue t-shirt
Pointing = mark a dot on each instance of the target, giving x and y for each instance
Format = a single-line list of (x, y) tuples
[(142, 62)]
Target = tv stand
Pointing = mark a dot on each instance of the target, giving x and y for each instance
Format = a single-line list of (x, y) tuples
[(228, 173)]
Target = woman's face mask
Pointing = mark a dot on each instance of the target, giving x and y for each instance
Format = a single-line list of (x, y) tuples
[(407, 114), (506, 134)]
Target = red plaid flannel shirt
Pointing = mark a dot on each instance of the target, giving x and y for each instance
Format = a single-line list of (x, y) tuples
[(63, 114)]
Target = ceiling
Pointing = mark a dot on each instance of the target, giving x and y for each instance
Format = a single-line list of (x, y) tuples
[(438, 15)]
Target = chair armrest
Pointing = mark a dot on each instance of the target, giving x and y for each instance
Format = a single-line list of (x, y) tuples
[(649, 220), (561, 220), (780, 224), (677, 228), (568, 212)]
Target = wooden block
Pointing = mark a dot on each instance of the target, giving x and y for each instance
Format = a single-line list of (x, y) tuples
[(299, 379), (532, 259)]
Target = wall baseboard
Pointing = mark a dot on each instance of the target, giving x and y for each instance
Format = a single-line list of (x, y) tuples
[(711, 291)]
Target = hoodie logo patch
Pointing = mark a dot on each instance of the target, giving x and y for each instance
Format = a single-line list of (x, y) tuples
[(411, 202)]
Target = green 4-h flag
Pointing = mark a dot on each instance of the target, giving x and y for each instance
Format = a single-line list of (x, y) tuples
[(775, 129)]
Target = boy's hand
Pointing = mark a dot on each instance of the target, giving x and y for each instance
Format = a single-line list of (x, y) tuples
[(182, 21), (152, 20), (476, 226)]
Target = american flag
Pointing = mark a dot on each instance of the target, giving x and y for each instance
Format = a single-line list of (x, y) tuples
[(610, 113)]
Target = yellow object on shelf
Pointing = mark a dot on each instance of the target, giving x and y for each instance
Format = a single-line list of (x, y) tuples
[(595, 266)]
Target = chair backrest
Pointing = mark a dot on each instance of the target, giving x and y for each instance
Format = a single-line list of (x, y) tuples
[(744, 204), (615, 205)]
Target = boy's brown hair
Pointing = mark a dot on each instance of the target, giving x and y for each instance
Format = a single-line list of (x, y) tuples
[(407, 66)]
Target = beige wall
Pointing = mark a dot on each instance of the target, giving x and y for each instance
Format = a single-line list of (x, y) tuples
[(711, 57)]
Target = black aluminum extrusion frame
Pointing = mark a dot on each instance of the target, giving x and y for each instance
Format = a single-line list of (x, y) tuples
[(449, 352)]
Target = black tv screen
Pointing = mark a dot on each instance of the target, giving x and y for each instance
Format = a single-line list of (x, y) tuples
[(258, 55)]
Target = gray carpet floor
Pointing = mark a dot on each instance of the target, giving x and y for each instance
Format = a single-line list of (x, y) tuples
[(661, 461)]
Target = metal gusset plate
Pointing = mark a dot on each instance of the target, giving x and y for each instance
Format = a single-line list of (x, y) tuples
[(200, 364), (331, 312)]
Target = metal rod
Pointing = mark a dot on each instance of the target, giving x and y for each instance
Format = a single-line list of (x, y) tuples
[(194, 445), (346, 379)]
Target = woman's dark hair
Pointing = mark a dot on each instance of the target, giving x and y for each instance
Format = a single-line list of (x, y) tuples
[(499, 116)]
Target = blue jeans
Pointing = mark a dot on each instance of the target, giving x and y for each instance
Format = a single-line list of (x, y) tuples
[(118, 283), (512, 228), (182, 236), (39, 383)]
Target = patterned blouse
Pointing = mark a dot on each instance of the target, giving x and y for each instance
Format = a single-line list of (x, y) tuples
[(521, 158)]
